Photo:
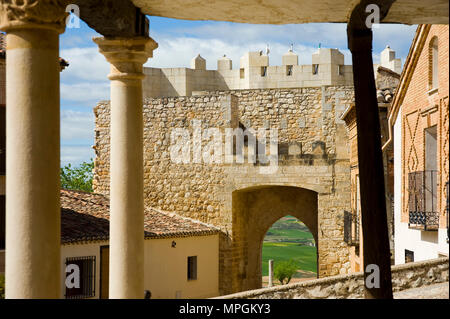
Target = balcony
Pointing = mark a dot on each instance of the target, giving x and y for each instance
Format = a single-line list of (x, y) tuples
[(423, 200)]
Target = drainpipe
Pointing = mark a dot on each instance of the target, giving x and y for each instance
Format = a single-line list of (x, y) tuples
[(390, 138)]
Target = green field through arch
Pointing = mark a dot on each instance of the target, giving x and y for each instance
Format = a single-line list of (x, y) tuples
[(289, 239)]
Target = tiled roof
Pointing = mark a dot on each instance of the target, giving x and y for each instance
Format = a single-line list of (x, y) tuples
[(385, 96), (85, 217)]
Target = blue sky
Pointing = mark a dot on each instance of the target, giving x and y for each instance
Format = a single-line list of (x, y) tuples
[(85, 82)]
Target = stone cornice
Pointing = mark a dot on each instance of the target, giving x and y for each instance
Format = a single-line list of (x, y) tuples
[(126, 55), (48, 14)]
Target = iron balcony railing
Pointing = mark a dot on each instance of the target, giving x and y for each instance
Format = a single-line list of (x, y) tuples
[(423, 200)]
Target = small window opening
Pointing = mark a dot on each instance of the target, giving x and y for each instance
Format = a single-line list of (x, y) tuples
[(289, 70), (409, 256), (263, 70), (315, 69), (192, 268), (434, 64)]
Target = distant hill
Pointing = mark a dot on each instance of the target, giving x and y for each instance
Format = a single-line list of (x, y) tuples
[(291, 230), (287, 239)]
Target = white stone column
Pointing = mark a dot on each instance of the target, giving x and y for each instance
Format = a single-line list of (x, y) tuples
[(127, 56), (32, 147), (270, 273)]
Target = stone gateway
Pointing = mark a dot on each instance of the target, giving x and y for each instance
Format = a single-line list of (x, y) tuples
[(312, 180)]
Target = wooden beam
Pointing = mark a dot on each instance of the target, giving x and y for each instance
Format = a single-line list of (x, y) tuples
[(376, 249)]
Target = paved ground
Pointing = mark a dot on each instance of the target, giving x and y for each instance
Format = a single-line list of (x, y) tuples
[(436, 291)]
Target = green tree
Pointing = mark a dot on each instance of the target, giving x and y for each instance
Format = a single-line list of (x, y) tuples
[(284, 270), (2, 286), (78, 178)]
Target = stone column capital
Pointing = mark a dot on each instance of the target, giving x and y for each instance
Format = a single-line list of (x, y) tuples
[(41, 14), (126, 55)]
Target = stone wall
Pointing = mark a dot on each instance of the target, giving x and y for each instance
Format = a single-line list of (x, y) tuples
[(351, 286), (313, 160), (254, 72)]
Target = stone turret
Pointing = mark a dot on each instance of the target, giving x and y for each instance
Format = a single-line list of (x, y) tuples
[(388, 60), (224, 63), (198, 63), (328, 56), (328, 65), (254, 59), (289, 58)]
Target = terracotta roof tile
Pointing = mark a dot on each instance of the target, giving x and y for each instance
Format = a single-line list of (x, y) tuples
[(85, 217)]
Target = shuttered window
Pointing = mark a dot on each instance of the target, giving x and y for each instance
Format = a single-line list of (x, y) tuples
[(80, 277)]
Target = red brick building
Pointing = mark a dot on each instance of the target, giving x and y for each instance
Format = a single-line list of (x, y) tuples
[(420, 134)]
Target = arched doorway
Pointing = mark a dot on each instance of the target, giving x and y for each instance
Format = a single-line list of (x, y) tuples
[(289, 240), (255, 210)]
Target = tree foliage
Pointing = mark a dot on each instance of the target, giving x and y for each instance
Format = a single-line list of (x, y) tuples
[(2, 286), (284, 270), (78, 178)]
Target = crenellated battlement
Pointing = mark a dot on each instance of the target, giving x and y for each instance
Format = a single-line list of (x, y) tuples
[(255, 72)]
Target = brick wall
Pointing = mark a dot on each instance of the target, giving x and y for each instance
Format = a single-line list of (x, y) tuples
[(423, 108)]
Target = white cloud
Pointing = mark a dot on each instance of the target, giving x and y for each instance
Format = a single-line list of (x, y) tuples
[(85, 92), (329, 34), (178, 46), (85, 80), (77, 125), (178, 52), (76, 154), (85, 64)]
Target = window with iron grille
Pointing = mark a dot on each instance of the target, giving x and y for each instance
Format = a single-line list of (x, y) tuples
[(422, 200), (83, 270), (351, 228), (192, 268)]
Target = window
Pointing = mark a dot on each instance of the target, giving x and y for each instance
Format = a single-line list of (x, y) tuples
[(289, 70), (80, 277), (192, 268), (340, 69), (409, 256), (242, 73), (315, 68), (434, 63), (263, 70), (431, 148), (351, 228)]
